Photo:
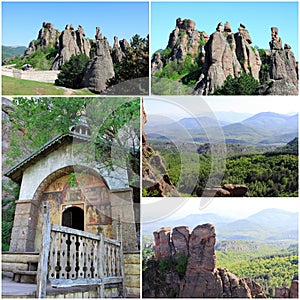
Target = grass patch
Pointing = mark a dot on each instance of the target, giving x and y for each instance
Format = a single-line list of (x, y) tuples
[(14, 86)]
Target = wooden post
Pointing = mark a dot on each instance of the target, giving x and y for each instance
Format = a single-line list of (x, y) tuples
[(122, 258), (44, 255), (101, 265)]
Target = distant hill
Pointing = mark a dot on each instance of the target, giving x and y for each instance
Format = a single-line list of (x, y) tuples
[(263, 128), (266, 225), (11, 51), (272, 121)]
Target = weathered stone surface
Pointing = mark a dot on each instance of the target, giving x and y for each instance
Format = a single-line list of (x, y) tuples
[(220, 61), (156, 63), (47, 35), (162, 242), (283, 69), (236, 190), (100, 68), (71, 42), (202, 240), (183, 39), (294, 289), (227, 54), (180, 238), (116, 51), (276, 43), (282, 292), (246, 54), (255, 289), (285, 292), (227, 27), (31, 48)]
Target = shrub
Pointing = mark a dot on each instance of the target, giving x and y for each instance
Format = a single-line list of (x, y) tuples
[(71, 75), (243, 85)]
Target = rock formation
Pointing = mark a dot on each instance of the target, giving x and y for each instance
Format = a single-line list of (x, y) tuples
[(201, 278), (47, 35), (285, 292), (71, 42), (247, 55), (283, 69), (227, 190), (157, 63), (118, 51), (183, 40), (100, 68), (227, 54), (155, 178)]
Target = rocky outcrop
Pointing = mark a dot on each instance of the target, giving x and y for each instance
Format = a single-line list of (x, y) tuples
[(118, 51), (157, 63), (227, 190), (247, 55), (285, 292), (71, 42), (162, 242), (155, 178), (183, 40), (47, 35), (283, 69), (227, 54), (220, 62), (100, 68), (201, 278)]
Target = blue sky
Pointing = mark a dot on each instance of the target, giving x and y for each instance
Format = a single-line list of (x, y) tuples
[(258, 17), (21, 21), (180, 107), (236, 208)]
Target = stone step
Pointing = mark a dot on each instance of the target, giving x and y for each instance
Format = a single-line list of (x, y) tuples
[(24, 276), (32, 265)]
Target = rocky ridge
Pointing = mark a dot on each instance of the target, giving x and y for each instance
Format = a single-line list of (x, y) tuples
[(47, 35), (225, 53), (70, 42), (201, 278), (73, 41)]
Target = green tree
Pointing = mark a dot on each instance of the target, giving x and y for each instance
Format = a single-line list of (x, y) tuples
[(35, 121), (264, 75), (243, 85), (136, 62), (71, 75)]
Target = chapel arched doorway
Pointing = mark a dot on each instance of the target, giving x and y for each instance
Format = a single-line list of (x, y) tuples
[(73, 217)]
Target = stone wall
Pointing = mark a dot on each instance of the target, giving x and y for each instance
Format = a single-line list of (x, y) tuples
[(132, 273), (41, 76)]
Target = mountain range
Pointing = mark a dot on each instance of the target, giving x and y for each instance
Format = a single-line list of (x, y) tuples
[(11, 51), (261, 128), (267, 225)]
